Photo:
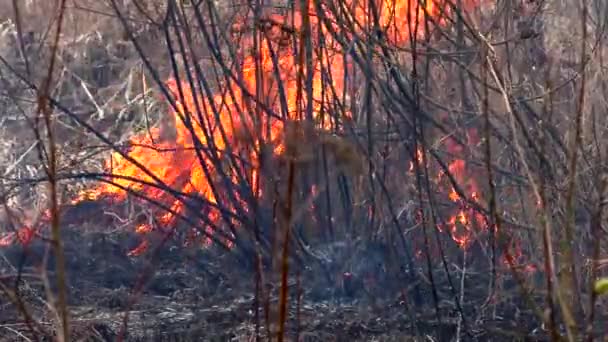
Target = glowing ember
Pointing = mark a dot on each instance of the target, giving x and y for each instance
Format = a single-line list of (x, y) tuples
[(419, 158), (463, 222), (23, 235)]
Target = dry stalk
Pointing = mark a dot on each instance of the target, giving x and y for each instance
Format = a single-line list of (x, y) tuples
[(17, 332), (596, 223), (567, 265), (547, 229), (32, 325), (463, 276), (287, 214), (44, 109)]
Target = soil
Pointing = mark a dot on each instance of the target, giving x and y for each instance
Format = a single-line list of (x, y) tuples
[(205, 294)]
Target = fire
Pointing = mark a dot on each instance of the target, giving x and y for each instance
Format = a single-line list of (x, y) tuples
[(419, 159), (404, 20), (23, 235), (230, 114), (461, 218), (464, 223)]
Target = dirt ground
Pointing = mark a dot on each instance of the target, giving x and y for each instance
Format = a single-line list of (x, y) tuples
[(202, 295)]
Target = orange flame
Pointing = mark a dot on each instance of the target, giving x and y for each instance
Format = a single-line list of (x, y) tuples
[(419, 159), (175, 160)]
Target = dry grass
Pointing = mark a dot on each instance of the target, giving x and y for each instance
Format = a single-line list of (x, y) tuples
[(101, 77)]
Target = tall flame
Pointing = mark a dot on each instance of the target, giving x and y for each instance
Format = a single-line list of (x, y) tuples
[(175, 160)]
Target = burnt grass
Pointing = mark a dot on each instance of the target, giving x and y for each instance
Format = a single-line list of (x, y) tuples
[(206, 294)]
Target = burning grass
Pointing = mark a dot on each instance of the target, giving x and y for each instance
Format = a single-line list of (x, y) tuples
[(203, 132), (293, 140)]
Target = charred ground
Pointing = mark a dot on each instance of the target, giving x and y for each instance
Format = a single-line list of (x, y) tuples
[(179, 294)]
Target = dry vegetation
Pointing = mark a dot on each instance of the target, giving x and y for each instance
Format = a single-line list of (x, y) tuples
[(446, 186)]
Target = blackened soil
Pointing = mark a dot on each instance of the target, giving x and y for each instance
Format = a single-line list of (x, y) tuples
[(182, 294)]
